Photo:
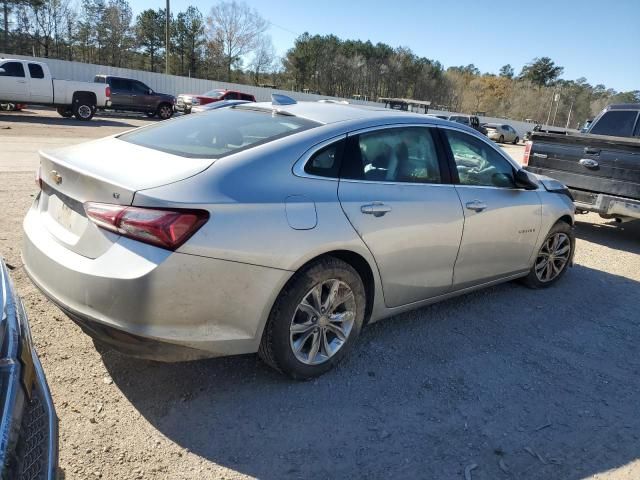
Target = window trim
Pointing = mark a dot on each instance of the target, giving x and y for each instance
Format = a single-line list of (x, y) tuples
[(298, 168), (445, 173), (452, 163)]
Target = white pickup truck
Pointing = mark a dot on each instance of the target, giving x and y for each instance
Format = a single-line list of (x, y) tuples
[(26, 81)]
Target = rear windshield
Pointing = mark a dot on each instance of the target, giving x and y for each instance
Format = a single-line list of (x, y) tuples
[(214, 93), (217, 133), (618, 123)]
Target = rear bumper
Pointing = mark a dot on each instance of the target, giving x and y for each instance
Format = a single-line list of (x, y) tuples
[(137, 297), (606, 205), (182, 108)]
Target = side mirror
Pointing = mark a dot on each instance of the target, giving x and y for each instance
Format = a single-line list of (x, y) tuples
[(150, 92), (525, 180)]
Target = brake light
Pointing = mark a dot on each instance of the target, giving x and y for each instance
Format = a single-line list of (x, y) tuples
[(38, 178), (527, 152), (107, 91), (163, 228)]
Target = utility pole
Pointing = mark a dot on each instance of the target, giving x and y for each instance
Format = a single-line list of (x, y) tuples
[(557, 99), (166, 39), (569, 117)]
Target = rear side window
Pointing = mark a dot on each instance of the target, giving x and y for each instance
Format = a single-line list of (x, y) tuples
[(618, 123), (12, 69), (406, 155), (35, 71), (326, 161), (217, 133), (119, 84)]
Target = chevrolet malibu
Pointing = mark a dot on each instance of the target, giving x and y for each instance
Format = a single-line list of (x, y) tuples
[(282, 228)]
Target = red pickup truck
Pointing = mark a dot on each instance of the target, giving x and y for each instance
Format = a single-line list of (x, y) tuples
[(185, 101)]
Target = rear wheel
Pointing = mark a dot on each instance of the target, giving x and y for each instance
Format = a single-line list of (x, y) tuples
[(65, 112), (315, 320), (84, 110), (553, 258), (501, 139), (164, 111)]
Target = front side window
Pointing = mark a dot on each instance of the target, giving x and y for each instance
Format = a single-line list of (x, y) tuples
[(217, 133), (406, 154), (618, 123), (477, 163), (12, 69), (141, 88), (35, 71)]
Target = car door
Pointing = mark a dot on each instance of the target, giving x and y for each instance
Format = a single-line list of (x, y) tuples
[(398, 197), (501, 222), (13, 82), (120, 93), (141, 99), (39, 85)]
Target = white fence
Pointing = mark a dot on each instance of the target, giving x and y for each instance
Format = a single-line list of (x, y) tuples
[(175, 85)]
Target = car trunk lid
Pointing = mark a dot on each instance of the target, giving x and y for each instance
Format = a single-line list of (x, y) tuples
[(108, 171)]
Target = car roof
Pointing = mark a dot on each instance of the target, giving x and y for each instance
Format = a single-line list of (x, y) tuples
[(326, 113)]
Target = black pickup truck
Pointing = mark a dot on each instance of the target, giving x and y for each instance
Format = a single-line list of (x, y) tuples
[(601, 167)]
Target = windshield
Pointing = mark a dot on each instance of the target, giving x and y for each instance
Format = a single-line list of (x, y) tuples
[(213, 93), (216, 133)]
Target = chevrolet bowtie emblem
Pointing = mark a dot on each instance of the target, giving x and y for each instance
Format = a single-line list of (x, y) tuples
[(56, 177)]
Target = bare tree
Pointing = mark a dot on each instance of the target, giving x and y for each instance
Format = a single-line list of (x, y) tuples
[(264, 58), (236, 28)]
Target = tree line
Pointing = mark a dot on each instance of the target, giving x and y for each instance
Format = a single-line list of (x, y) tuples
[(230, 43)]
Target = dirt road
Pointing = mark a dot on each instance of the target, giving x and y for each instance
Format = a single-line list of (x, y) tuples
[(521, 383)]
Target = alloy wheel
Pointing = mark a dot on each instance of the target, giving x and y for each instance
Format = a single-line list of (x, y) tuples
[(322, 322), (84, 111), (553, 257), (165, 112)]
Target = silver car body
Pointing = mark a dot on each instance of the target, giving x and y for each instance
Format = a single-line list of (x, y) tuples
[(496, 131), (268, 218)]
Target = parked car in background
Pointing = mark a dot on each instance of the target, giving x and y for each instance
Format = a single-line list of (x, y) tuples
[(470, 121), (129, 95), (216, 105), (26, 81), (443, 117), (501, 133), (300, 204), (186, 101), (28, 426), (587, 124), (601, 167)]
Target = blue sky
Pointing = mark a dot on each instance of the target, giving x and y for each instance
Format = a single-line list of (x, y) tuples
[(589, 38)]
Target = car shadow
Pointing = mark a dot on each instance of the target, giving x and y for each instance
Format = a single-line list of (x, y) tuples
[(31, 118), (537, 383), (617, 236)]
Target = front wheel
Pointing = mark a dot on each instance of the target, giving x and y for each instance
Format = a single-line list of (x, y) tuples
[(501, 139), (553, 258), (315, 320), (516, 140), (165, 111)]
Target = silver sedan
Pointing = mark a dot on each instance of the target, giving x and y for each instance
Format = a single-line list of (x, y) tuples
[(282, 228)]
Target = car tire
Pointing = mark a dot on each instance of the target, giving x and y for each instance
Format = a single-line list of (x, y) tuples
[(165, 111), (537, 277), (64, 112), (516, 141), (501, 139), (150, 114), (293, 332), (84, 110)]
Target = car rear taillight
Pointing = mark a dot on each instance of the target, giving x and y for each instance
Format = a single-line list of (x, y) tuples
[(527, 152), (163, 228), (107, 91), (38, 178)]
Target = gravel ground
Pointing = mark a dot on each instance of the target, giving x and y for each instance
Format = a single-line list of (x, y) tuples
[(503, 383)]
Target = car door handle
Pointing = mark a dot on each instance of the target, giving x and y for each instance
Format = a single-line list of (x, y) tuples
[(588, 162), (476, 206), (22, 81), (591, 151), (377, 209)]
